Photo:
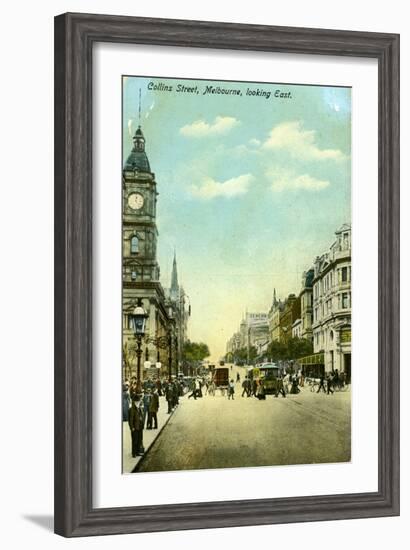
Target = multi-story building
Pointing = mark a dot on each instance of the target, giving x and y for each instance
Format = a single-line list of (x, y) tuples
[(274, 318), (297, 329), (176, 302), (332, 304), (141, 272), (289, 314), (233, 344), (253, 332), (258, 336), (306, 305)]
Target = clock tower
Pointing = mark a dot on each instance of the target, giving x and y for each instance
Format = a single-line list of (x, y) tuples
[(139, 216)]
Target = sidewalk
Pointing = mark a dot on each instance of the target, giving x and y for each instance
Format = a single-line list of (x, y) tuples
[(149, 436)]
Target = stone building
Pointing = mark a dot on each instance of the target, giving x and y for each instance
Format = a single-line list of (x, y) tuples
[(306, 305), (274, 318), (332, 304), (297, 329), (289, 314), (140, 269), (253, 332), (176, 300)]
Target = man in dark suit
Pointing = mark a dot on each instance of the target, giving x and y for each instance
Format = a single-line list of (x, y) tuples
[(136, 424), (153, 410), (169, 396)]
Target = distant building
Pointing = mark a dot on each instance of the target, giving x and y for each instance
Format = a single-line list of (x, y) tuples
[(332, 304), (176, 303), (274, 318), (289, 314), (253, 332)]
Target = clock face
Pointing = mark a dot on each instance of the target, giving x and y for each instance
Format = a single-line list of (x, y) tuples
[(135, 201)]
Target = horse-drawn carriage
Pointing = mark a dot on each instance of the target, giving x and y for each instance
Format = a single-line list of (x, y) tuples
[(220, 379)]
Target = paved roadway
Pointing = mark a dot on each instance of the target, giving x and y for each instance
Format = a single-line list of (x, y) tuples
[(214, 432)]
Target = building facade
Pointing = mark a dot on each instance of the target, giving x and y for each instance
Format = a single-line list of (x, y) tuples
[(332, 304), (140, 269), (306, 305), (253, 332), (289, 314), (297, 329), (274, 314)]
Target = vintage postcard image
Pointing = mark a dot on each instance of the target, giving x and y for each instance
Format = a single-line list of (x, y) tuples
[(237, 299)]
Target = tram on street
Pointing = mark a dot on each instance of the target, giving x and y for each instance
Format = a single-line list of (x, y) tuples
[(270, 375)]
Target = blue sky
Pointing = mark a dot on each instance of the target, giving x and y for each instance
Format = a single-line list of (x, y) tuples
[(251, 189)]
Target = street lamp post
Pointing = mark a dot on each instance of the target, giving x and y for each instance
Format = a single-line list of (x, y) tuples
[(138, 319)]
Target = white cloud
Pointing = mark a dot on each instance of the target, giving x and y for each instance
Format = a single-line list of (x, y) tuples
[(300, 143), (209, 189), (200, 128), (285, 180), (254, 142)]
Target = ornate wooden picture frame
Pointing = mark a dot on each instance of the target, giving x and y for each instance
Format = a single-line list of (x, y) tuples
[(75, 36)]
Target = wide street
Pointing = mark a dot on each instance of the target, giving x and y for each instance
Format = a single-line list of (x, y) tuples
[(214, 432)]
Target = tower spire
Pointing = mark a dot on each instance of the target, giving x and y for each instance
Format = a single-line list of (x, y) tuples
[(139, 110), (174, 278)]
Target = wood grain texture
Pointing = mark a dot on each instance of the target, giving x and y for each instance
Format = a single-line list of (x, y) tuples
[(75, 35)]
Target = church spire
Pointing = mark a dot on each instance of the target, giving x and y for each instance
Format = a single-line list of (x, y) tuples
[(174, 279)]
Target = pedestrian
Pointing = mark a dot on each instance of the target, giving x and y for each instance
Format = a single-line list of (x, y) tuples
[(126, 402), (245, 387), (153, 410), (195, 390), (294, 389), (175, 386), (280, 387), (159, 387), (133, 388), (136, 424), (321, 384), (329, 381), (146, 403), (254, 387), (260, 392), (231, 389), (169, 396), (238, 378)]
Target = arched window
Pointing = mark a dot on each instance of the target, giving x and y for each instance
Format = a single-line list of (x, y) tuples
[(134, 244)]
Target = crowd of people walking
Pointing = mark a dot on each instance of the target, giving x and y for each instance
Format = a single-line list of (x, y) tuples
[(141, 402)]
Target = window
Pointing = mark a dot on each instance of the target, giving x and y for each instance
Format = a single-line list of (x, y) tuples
[(133, 275), (344, 275), (345, 241), (345, 300), (134, 244)]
